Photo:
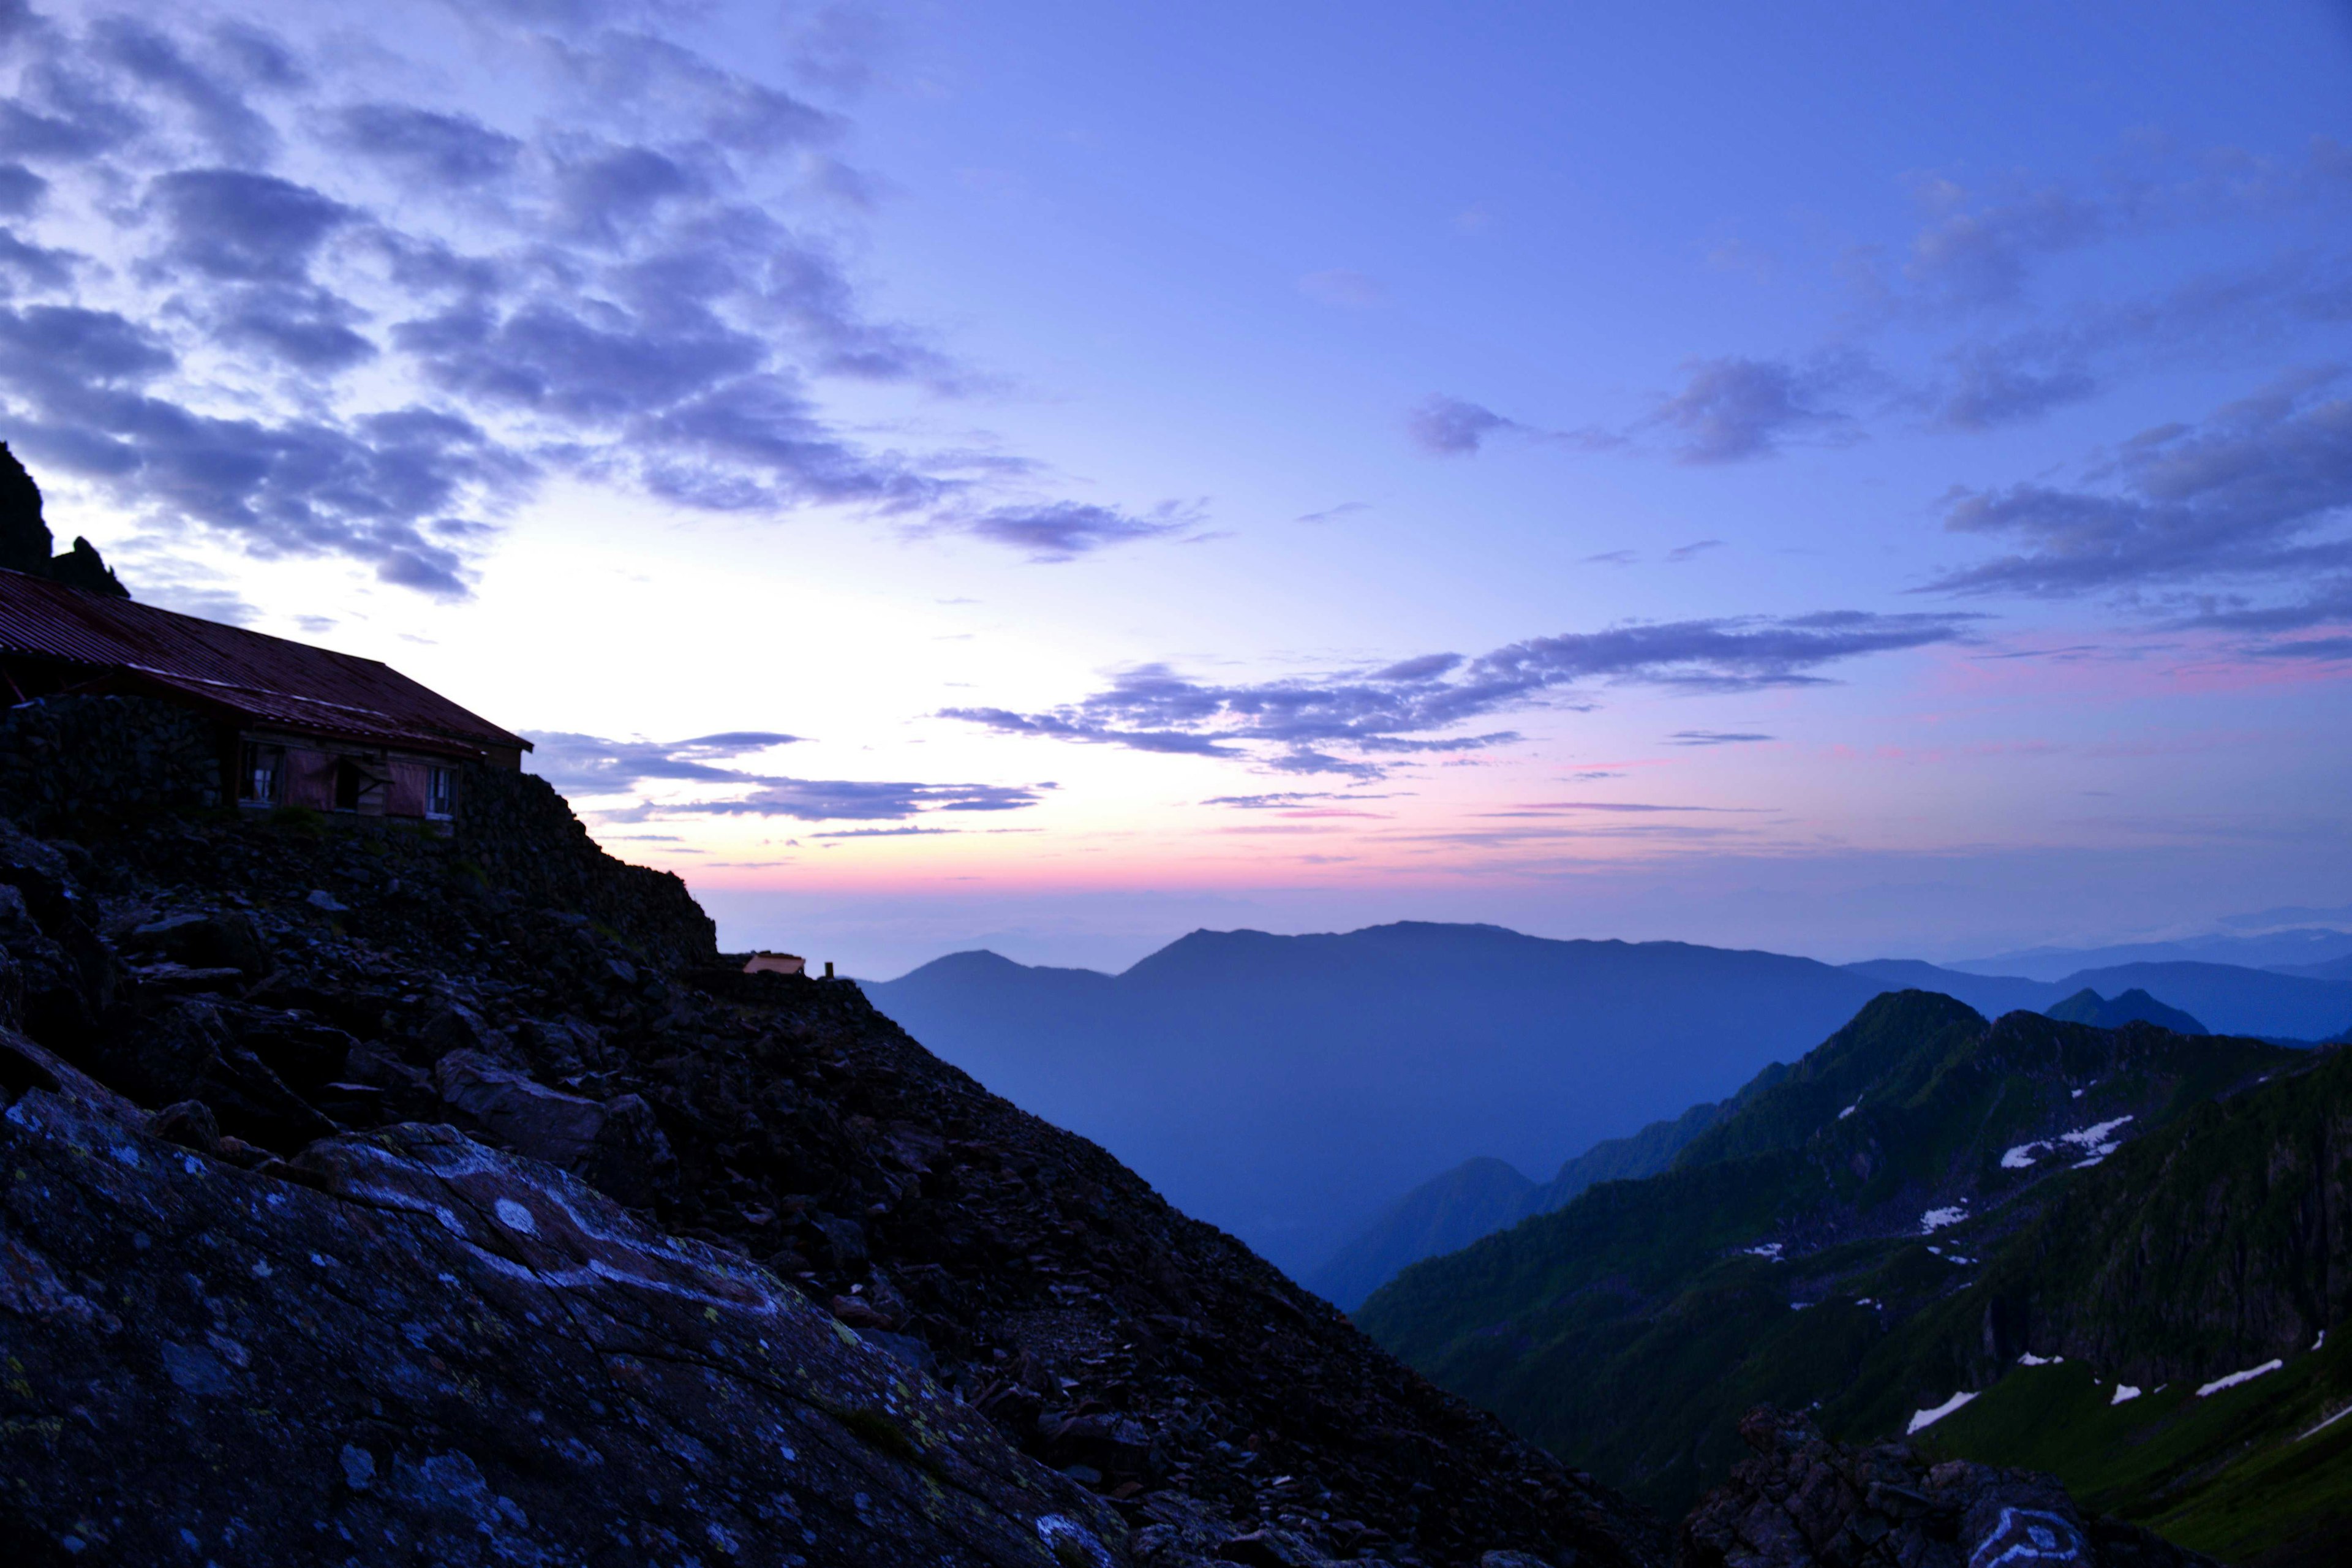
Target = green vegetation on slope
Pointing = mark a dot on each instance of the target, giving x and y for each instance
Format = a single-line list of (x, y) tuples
[(1841, 1200)]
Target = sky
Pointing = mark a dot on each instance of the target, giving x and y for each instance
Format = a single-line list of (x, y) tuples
[(1850, 480)]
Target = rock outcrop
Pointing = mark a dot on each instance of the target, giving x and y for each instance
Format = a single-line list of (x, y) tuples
[(451, 1193), (25, 540), (1803, 1502)]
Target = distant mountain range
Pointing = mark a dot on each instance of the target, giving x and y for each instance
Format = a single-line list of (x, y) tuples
[(1288, 1088), (2115, 1252), (2296, 950), (1483, 1195)]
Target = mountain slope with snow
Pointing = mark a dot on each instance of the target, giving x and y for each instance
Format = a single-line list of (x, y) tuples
[(1839, 1200)]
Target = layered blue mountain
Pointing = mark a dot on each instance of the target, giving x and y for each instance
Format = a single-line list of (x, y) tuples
[(1289, 1089), (1481, 1196), (2292, 950), (2265, 1003), (2087, 1006)]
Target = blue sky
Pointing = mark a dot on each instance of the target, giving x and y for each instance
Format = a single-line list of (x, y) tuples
[(1844, 479)]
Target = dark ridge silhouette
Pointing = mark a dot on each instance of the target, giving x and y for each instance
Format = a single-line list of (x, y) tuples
[(25, 541)]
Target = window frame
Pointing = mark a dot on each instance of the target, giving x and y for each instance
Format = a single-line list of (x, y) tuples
[(260, 758)]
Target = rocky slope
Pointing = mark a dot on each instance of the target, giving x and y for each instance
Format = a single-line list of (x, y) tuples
[(456, 1191), (1798, 1502)]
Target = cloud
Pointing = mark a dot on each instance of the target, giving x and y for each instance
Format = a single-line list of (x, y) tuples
[(1978, 248), (590, 764), (1334, 513), (21, 190), (1547, 808), (1735, 410), (1713, 737), (426, 146), (885, 832), (216, 108), (1452, 428), (1696, 548), (1446, 426), (1353, 291), (832, 800), (1057, 530), (1284, 800), (1352, 722), (595, 765), (245, 226), (2254, 499), (624, 267)]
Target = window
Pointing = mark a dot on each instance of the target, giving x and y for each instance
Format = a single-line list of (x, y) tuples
[(265, 766), (441, 792), (350, 784)]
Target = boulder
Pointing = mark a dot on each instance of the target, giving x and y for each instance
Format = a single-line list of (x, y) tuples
[(615, 1144), (225, 940), (1801, 1502)]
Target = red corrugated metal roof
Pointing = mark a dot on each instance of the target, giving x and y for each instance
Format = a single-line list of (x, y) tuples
[(267, 679)]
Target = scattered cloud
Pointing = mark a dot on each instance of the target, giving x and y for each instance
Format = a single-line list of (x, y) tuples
[(2237, 522), (593, 765), (590, 764), (1334, 513), (1548, 808), (1357, 722), (619, 269), (1058, 531), (1734, 410), (1715, 737), (1453, 427), (1447, 426), (1697, 548), (885, 832), (1978, 248)]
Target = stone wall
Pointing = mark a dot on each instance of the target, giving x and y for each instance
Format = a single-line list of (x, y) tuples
[(526, 840), (68, 761), (75, 766)]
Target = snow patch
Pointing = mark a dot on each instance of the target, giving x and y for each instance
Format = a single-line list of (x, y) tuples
[(2029, 1358), (1923, 1419), (1849, 1110), (2097, 1142), (2320, 1340), (2125, 1393), (1934, 1220), (1771, 1249), (2235, 1378)]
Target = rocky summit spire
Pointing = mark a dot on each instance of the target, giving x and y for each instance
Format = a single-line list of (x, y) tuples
[(82, 567), (25, 541), (24, 537)]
